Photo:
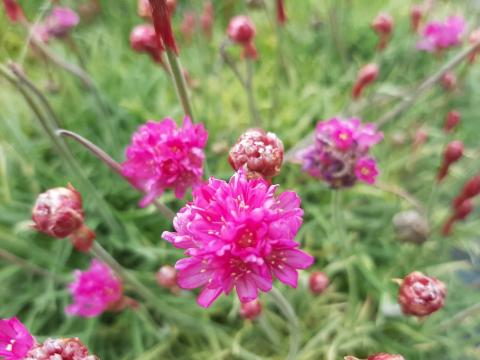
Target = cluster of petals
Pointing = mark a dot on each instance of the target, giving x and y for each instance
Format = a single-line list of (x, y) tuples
[(94, 290), (380, 356), (340, 153), (163, 156), (143, 39), (241, 30), (238, 234), (15, 339), (438, 36), (64, 349)]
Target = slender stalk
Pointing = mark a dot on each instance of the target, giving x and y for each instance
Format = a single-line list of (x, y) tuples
[(229, 61), (337, 216), (292, 320), (255, 118), (393, 189)]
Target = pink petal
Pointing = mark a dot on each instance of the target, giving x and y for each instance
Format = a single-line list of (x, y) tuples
[(207, 296)]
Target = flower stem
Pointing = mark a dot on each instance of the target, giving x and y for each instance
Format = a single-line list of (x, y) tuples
[(292, 319), (255, 118), (337, 216)]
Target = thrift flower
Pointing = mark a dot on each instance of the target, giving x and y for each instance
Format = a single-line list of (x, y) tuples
[(15, 339), (238, 234), (14, 10), (381, 356), (164, 156), (94, 291), (421, 295), (438, 36), (339, 154), (259, 153), (241, 30), (143, 39), (61, 349), (61, 21)]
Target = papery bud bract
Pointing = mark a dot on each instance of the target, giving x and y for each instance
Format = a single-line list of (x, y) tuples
[(383, 26), (416, 15), (64, 349), (411, 226), (167, 277), (367, 75), (258, 152), (251, 310), (318, 282), (452, 120), (421, 295)]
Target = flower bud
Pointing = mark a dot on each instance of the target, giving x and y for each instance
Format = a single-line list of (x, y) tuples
[(14, 10), (318, 282), (469, 190), (82, 239), (58, 212), (144, 8), (162, 22), (416, 15), (421, 295), (61, 21), (281, 14), (71, 349), (420, 138), (449, 81), (188, 25), (453, 153), (258, 152), (461, 212), (411, 226), (451, 121), (251, 310), (474, 39), (167, 277), (365, 77), (241, 30), (383, 26), (143, 40)]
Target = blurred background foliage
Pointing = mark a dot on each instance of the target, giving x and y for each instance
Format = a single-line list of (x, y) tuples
[(304, 74)]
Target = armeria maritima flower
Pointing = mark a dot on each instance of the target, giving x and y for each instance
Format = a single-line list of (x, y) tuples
[(164, 156), (61, 21), (14, 10), (60, 349), (438, 36), (421, 295), (380, 356), (143, 39), (258, 152), (15, 339), (340, 152), (238, 234), (94, 291), (241, 30), (383, 25)]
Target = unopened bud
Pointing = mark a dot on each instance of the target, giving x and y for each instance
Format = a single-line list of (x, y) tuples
[(251, 310), (449, 81), (452, 120), (474, 39), (453, 153), (241, 30), (318, 282), (167, 277), (367, 75), (383, 26), (416, 15)]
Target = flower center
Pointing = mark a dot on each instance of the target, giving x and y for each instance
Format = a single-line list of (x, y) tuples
[(246, 239)]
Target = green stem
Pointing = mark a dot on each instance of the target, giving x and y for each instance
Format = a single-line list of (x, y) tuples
[(255, 118), (337, 216), (292, 320)]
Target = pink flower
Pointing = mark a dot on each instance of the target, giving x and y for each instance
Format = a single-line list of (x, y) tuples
[(61, 21), (241, 30), (163, 156), (144, 39), (94, 291), (14, 10), (238, 234), (64, 349), (15, 339), (366, 170), (439, 36), (339, 146), (381, 356)]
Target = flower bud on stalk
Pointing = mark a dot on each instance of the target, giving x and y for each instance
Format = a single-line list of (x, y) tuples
[(473, 39), (163, 24), (449, 81), (59, 213), (421, 295), (420, 138), (451, 121), (281, 14), (453, 153), (367, 75), (461, 212), (416, 15), (381, 356), (469, 190), (318, 282), (241, 30), (144, 40), (167, 277), (251, 310), (145, 10), (383, 25), (14, 11), (189, 22)]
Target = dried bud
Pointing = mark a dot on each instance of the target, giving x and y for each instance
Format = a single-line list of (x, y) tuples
[(449, 81), (258, 152), (365, 77), (241, 30), (452, 120), (318, 282), (65, 349), (421, 295), (411, 226), (281, 14), (167, 277), (58, 212), (416, 15), (453, 153), (251, 310), (383, 26), (474, 39)]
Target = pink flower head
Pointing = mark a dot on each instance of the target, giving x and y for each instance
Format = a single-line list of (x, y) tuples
[(438, 36), (15, 339), (94, 291), (61, 21), (163, 156), (366, 170), (189, 22), (14, 10), (144, 8), (241, 30), (144, 39), (340, 152), (64, 349), (238, 234)]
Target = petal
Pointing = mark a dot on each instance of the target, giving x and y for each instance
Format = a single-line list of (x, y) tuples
[(298, 259), (207, 296), (246, 289), (286, 274)]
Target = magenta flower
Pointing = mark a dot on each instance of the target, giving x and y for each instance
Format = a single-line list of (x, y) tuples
[(439, 36), (61, 21), (163, 156), (340, 152), (15, 339), (238, 234), (94, 291)]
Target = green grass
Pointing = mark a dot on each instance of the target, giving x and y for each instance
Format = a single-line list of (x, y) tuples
[(350, 318)]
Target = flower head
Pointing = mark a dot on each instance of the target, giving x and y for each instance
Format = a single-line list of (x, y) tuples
[(251, 310), (164, 156), (241, 30), (238, 234), (438, 36), (64, 349), (61, 21), (14, 10), (15, 339), (421, 295), (318, 282), (144, 39), (259, 153), (94, 290), (340, 152)]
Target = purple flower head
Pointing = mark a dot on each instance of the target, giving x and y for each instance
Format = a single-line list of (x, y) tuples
[(163, 156), (61, 21), (15, 339), (439, 36), (339, 154), (94, 291), (238, 234)]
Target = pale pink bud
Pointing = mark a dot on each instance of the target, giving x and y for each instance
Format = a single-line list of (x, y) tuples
[(452, 120), (474, 39), (188, 25), (318, 282), (167, 277), (143, 39), (241, 30), (251, 310), (207, 18), (420, 138)]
